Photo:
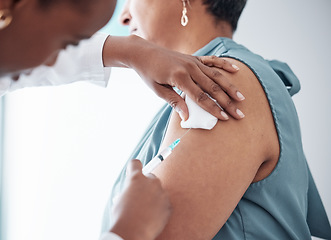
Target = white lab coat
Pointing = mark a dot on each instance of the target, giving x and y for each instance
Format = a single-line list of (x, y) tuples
[(81, 63)]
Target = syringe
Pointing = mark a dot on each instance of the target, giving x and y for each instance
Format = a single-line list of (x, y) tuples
[(161, 156)]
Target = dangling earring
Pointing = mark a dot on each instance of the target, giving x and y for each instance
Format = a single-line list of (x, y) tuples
[(5, 18), (184, 19)]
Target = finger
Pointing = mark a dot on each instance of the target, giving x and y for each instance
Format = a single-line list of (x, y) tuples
[(216, 91), (223, 82), (174, 100), (221, 90), (201, 98), (213, 61), (134, 167), (228, 105)]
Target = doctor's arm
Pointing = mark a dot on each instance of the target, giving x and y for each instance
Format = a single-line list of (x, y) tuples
[(160, 68), (163, 69), (210, 170)]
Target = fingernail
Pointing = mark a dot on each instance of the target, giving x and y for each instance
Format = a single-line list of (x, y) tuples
[(240, 113), (235, 67), (224, 115), (240, 96)]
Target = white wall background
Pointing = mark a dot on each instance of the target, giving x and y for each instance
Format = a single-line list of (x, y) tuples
[(64, 146)]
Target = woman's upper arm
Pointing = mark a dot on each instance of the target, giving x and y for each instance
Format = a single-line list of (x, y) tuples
[(209, 171)]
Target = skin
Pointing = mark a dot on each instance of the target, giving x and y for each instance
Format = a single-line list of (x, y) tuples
[(144, 19), (75, 25), (36, 35), (137, 217), (188, 73), (54, 33), (159, 22), (45, 33), (207, 158)]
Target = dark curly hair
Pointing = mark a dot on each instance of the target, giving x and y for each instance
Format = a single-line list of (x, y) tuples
[(226, 10)]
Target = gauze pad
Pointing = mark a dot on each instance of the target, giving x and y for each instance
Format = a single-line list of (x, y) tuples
[(198, 117)]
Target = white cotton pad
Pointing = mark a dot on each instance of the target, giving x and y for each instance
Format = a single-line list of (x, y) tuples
[(198, 117)]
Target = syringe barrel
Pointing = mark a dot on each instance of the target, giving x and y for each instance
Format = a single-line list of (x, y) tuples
[(156, 160), (165, 153)]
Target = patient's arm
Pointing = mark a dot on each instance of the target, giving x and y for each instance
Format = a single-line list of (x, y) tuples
[(209, 171)]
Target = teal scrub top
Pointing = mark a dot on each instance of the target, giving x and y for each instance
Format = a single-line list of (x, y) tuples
[(286, 204)]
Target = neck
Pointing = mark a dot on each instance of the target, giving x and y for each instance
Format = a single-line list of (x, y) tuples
[(196, 38), (200, 30)]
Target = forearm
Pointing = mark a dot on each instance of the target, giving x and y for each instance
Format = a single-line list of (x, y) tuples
[(163, 69), (126, 51)]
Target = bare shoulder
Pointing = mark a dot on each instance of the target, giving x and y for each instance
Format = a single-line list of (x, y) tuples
[(209, 171)]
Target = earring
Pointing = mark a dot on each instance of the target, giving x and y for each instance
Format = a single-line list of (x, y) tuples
[(5, 18), (184, 19)]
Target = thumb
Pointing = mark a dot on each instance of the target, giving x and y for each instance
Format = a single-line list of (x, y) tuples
[(134, 167), (175, 101), (181, 108)]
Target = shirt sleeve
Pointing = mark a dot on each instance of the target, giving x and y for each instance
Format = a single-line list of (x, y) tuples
[(81, 63), (110, 236)]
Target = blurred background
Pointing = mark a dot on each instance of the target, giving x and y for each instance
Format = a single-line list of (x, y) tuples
[(63, 147)]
